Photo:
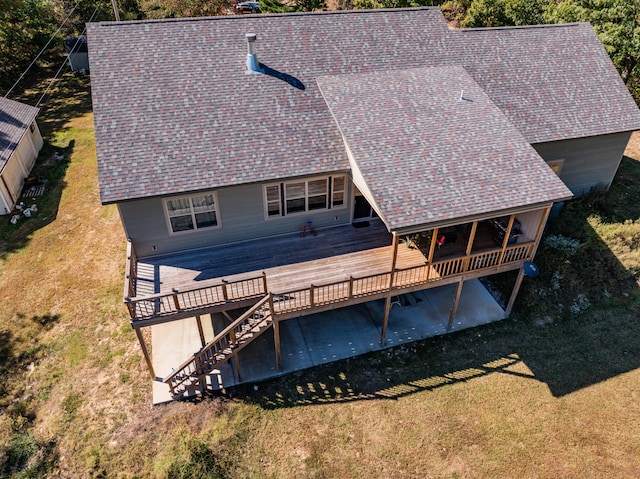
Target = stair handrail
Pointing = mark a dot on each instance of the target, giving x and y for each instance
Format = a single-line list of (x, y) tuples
[(218, 337)]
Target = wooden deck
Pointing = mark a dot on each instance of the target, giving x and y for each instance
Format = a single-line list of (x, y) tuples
[(339, 265), (290, 262)]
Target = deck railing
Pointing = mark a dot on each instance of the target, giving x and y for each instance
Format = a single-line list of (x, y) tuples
[(223, 346), (260, 316), (130, 274), (184, 301)]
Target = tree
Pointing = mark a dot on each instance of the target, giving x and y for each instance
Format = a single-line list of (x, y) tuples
[(617, 23), (184, 8), (287, 6), (500, 13), (25, 27), (485, 13)]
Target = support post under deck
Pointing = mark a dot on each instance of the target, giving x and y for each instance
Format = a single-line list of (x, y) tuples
[(200, 330), (516, 287), (145, 352), (456, 301), (387, 303)]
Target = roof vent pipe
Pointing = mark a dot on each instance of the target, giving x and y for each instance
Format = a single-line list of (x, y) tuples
[(252, 57)]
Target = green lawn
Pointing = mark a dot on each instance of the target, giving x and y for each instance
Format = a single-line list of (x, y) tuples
[(554, 391)]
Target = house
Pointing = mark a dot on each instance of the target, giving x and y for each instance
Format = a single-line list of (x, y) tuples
[(20, 142), (77, 52), (241, 163)]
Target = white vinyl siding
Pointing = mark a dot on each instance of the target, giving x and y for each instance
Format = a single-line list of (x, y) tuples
[(191, 213), (301, 196)]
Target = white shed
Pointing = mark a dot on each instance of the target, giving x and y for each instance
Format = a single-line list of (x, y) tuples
[(76, 49), (20, 143)]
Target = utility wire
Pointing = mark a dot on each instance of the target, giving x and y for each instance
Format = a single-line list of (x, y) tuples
[(43, 49), (68, 57)]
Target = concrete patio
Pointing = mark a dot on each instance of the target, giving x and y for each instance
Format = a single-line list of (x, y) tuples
[(325, 337)]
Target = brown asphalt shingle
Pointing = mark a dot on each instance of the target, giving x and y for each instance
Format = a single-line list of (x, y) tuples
[(175, 112), (428, 156)]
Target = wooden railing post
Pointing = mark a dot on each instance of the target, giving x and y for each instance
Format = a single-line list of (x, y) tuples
[(311, 301), (176, 302), (225, 294), (472, 237), (350, 286), (505, 240), (131, 307), (264, 283)]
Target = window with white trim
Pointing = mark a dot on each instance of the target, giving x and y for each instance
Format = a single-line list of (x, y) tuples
[(190, 213), (556, 165), (301, 196)]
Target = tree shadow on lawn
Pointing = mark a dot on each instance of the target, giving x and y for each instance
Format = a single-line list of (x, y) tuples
[(69, 97), (14, 237), (574, 326), (566, 356)]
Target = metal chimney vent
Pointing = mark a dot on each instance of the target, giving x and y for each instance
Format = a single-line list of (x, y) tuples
[(252, 57)]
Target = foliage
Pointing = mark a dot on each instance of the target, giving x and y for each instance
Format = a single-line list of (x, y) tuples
[(25, 26), (182, 8), (288, 6), (617, 23), (499, 13), (372, 4)]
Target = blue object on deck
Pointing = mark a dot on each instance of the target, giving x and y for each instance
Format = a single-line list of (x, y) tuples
[(530, 270)]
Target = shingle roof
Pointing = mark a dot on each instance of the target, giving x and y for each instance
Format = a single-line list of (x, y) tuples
[(15, 118), (552, 81), (427, 155), (172, 119)]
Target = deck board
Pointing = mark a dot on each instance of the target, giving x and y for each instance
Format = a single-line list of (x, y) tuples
[(292, 262)]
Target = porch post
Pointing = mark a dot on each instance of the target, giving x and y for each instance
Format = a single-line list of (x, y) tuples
[(454, 308), (145, 352), (387, 303), (543, 223), (516, 287), (507, 235), (472, 237), (432, 248), (200, 330)]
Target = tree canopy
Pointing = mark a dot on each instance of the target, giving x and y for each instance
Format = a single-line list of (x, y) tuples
[(617, 23)]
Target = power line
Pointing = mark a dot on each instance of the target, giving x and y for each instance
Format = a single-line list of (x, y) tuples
[(43, 49), (64, 62)]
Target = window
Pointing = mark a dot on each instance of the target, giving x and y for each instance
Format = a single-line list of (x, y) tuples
[(556, 166), (190, 213), (300, 196)]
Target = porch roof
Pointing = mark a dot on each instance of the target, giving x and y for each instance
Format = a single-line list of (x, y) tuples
[(431, 146)]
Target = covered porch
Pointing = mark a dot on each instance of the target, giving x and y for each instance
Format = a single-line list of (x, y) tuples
[(203, 324)]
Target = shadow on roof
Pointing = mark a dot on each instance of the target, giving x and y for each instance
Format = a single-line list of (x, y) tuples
[(285, 77)]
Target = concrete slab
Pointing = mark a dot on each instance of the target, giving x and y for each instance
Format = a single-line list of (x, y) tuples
[(325, 337)]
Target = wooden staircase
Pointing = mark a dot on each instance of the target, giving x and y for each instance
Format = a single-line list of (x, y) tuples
[(189, 376)]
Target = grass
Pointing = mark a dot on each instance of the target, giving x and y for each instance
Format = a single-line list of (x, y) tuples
[(551, 392)]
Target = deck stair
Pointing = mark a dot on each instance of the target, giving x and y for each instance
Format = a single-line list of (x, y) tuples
[(184, 380)]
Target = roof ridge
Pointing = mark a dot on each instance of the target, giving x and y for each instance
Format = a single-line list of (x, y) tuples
[(522, 27), (266, 15)]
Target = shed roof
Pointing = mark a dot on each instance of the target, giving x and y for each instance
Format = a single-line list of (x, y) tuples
[(15, 119), (76, 44), (171, 119), (429, 153)]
